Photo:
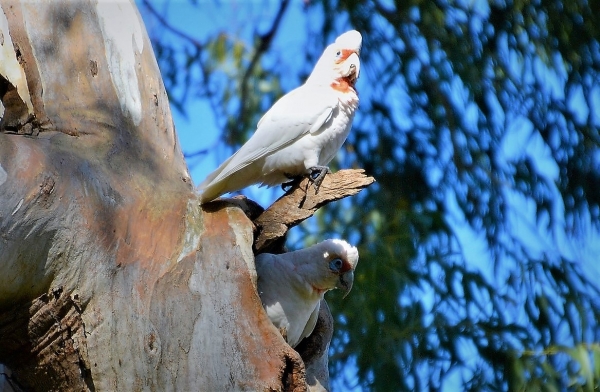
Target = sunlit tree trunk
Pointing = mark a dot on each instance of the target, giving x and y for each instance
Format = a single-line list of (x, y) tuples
[(111, 275)]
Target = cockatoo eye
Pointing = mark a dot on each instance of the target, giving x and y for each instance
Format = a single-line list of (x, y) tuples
[(338, 54), (336, 265)]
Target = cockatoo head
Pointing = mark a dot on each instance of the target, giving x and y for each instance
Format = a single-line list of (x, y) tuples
[(334, 265), (339, 64)]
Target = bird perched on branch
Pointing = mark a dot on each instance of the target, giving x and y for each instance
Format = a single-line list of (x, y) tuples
[(302, 131), (292, 285)]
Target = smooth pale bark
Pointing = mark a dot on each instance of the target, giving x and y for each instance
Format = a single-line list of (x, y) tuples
[(111, 275)]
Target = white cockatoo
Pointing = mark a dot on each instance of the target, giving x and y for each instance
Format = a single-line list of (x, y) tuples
[(292, 285), (302, 131)]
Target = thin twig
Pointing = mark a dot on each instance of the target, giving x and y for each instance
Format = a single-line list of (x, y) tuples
[(170, 27), (263, 46), (194, 154)]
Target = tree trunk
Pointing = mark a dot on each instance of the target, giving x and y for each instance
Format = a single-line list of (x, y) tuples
[(111, 276)]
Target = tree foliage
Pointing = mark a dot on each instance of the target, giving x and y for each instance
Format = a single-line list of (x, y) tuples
[(479, 121)]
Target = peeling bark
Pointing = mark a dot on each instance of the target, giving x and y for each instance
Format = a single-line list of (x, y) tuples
[(37, 333)]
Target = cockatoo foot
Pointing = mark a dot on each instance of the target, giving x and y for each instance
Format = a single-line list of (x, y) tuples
[(317, 175)]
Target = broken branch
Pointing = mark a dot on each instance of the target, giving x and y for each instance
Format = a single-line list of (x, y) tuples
[(301, 202)]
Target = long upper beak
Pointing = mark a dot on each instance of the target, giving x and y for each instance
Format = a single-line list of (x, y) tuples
[(345, 282), (352, 66)]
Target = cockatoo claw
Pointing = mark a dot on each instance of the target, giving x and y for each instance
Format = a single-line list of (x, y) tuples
[(317, 175)]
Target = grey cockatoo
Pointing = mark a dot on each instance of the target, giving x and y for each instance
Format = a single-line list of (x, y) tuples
[(302, 131), (292, 285)]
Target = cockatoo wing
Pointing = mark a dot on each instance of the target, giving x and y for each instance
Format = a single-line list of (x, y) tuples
[(297, 113), (310, 324)]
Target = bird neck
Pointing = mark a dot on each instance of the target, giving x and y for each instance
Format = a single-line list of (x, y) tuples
[(343, 85)]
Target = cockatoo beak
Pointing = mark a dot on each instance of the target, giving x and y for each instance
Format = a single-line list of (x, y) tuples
[(351, 67), (345, 282)]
